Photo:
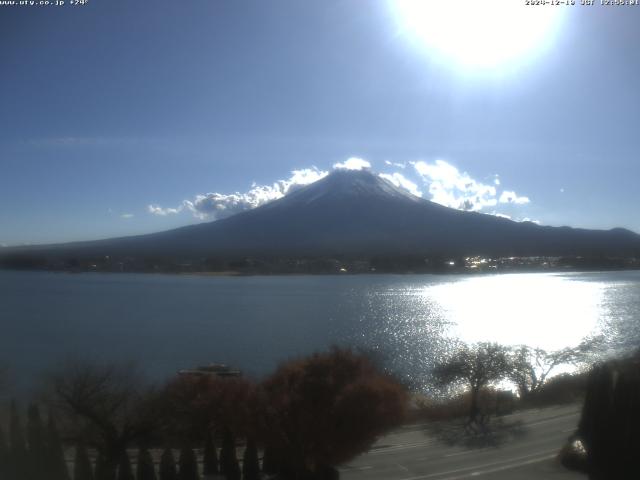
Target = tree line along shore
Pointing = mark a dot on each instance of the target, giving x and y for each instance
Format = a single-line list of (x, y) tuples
[(338, 264)]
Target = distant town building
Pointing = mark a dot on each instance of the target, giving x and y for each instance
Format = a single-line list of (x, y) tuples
[(213, 369)]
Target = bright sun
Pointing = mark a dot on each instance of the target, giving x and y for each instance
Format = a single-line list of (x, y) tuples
[(479, 33)]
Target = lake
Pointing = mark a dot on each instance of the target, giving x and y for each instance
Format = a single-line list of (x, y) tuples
[(168, 322)]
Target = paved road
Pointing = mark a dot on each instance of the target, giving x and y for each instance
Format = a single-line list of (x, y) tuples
[(524, 447)]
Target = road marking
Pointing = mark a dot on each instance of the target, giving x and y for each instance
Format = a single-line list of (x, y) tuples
[(548, 454), (413, 426), (395, 448), (405, 446), (466, 452), (469, 451), (554, 419), (505, 467)]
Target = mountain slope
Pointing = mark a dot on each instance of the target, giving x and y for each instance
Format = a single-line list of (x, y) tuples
[(359, 213)]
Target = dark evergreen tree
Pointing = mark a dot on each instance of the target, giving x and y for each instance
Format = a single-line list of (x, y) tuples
[(4, 456), (188, 464), (125, 472), (250, 462), (145, 469), (269, 463), (105, 469), (36, 441), (210, 458), (228, 460), (82, 465), (101, 471), (168, 466), (611, 419), (327, 473), (18, 459), (56, 463)]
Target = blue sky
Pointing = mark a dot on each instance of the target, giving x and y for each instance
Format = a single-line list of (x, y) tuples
[(123, 117)]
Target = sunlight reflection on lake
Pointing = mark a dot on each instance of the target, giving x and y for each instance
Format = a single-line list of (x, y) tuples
[(546, 311), (413, 321)]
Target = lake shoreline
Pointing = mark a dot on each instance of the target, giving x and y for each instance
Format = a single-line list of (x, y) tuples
[(240, 273)]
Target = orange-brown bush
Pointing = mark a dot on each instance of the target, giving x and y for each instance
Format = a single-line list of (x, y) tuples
[(325, 409), (193, 405)]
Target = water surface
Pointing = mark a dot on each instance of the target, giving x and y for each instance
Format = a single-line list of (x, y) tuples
[(167, 322)]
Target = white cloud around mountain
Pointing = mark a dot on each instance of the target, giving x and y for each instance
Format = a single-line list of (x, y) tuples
[(158, 210), (220, 205), (395, 164), (509, 196), (443, 183), (450, 187), (352, 163)]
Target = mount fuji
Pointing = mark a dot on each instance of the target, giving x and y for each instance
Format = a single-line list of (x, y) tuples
[(355, 213)]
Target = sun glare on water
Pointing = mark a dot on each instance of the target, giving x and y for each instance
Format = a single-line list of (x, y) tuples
[(478, 34), (546, 311)]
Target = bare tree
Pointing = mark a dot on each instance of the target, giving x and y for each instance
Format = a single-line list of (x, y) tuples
[(474, 366), (105, 406), (591, 350), (531, 367)]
